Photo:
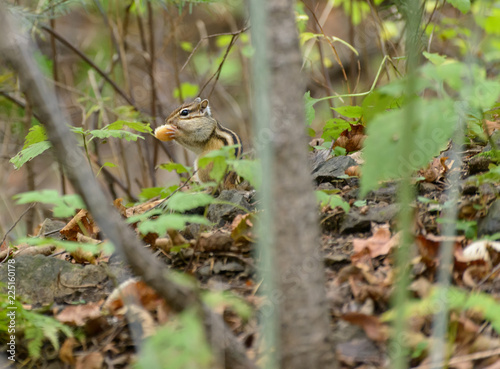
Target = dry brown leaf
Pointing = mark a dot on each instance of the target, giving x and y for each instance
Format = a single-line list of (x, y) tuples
[(133, 291), (379, 244), (216, 241), (78, 315), (353, 171), (176, 237), (373, 327), (351, 140), (242, 228), (81, 223), (66, 351), (491, 126), (118, 203), (165, 244), (474, 274), (435, 170), (93, 360), (422, 287)]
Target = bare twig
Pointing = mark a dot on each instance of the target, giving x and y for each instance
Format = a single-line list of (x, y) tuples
[(14, 226), (244, 29), (18, 102), (73, 48), (219, 69)]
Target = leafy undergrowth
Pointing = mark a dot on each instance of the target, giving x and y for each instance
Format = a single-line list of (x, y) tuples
[(209, 242)]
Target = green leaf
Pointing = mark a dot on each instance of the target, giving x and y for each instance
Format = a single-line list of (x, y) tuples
[(29, 153), (150, 192), (435, 58), (65, 206), (188, 91), (248, 169), (333, 128), (164, 222), (186, 46), (435, 122), (182, 201), (221, 299), (223, 40), (35, 135), (339, 151), (106, 133), (179, 168), (309, 107), (350, 111), (180, 342), (136, 126), (462, 5), (333, 201), (106, 164), (219, 166)]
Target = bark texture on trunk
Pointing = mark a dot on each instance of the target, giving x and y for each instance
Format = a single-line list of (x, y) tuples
[(305, 329)]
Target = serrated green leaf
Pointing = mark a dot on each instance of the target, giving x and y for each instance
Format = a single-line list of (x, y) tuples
[(30, 152), (106, 133), (350, 111), (462, 5), (64, 206), (182, 201), (35, 135)]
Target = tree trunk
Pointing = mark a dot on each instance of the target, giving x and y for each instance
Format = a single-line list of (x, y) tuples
[(305, 329)]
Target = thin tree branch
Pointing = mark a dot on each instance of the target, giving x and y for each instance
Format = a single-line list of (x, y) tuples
[(103, 74), (18, 102)]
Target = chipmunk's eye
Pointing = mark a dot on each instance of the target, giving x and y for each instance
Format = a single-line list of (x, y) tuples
[(184, 113)]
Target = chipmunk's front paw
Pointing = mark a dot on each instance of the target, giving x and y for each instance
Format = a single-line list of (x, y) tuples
[(166, 132)]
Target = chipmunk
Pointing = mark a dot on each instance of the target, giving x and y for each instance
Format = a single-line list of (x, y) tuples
[(193, 126)]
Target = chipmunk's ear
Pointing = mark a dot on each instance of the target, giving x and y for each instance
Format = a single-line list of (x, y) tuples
[(204, 108), (197, 100)]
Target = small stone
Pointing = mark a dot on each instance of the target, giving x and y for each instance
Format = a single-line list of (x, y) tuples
[(479, 164), (332, 168), (222, 213), (355, 221), (490, 224)]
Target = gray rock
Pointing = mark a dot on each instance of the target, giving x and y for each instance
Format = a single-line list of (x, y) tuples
[(37, 279), (479, 164), (490, 224), (356, 222), (387, 192), (332, 168), (222, 213)]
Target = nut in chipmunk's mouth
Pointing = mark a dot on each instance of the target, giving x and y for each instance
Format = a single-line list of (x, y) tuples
[(165, 132)]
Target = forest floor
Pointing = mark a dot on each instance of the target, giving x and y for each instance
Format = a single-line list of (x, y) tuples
[(81, 290)]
